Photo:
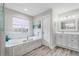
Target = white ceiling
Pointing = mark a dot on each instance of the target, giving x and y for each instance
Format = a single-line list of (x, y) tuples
[(35, 8)]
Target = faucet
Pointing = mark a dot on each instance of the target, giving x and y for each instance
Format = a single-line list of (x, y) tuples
[(27, 37), (38, 34)]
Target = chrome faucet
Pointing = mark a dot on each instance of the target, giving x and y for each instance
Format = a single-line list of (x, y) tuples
[(27, 37)]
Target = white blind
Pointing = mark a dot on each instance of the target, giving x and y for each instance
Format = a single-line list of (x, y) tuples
[(20, 23)]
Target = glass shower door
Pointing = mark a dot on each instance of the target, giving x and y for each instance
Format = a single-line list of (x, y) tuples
[(2, 39)]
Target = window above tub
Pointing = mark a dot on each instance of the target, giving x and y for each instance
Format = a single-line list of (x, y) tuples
[(20, 25)]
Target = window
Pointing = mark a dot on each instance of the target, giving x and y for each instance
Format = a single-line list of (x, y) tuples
[(20, 25)]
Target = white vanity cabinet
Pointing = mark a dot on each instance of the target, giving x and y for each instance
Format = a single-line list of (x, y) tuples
[(64, 40), (61, 40), (73, 41), (70, 41)]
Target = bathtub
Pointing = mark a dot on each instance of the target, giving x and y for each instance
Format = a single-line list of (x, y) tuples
[(19, 47)]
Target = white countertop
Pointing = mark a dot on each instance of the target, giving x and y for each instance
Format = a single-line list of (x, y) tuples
[(67, 33)]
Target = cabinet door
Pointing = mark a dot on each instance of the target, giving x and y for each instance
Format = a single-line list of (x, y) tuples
[(64, 40), (75, 42), (59, 39), (69, 40)]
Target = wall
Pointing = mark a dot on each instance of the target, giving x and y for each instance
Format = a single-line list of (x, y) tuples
[(60, 8), (51, 41), (8, 23)]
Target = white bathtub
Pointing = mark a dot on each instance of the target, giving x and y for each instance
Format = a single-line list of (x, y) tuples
[(14, 42), (16, 47)]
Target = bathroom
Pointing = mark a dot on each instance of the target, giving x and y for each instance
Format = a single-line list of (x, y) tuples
[(24, 32), (39, 28)]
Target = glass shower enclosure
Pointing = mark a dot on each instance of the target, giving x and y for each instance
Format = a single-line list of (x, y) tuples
[(2, 37)]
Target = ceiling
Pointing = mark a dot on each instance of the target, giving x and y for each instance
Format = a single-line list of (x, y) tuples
[(33, 8), (36, 8)]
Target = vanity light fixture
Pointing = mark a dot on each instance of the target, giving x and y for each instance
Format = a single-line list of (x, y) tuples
[(69, 17), (25, 9), (65, 18), (73, 16)]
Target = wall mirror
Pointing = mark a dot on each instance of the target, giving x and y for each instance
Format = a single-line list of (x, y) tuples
[(68, 25)]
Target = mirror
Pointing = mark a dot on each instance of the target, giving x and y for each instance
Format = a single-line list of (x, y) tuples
[(68, 25)]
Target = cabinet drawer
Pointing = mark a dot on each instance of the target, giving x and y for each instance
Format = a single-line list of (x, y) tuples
[(75, 43), (58, 39)]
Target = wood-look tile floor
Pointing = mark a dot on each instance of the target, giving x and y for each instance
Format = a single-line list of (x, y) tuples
[(46, 51)]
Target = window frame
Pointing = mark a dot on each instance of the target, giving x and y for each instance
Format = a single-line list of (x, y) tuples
[(22, 29)]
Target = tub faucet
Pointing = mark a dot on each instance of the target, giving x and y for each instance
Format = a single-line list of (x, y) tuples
[(27, 37)]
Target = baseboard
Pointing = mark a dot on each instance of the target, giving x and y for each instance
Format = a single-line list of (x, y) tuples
[(52, 47), (67, 47)]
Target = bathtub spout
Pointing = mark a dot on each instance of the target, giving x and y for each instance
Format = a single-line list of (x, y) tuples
[(27, 37)]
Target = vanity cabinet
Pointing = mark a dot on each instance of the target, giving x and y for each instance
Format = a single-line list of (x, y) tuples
[(70, 41), (58, 39), (61, 40), (68, 30)]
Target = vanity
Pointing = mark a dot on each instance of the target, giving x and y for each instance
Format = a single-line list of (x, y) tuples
[(68, 33), (22, 47), (69, 41)]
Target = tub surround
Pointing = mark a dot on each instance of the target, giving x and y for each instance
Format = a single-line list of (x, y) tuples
[(23, 45), (16, 41)]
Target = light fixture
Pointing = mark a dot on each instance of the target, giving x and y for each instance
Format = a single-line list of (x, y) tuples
[(73, 16), (64, 18), (69, 17), (25, 9)]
